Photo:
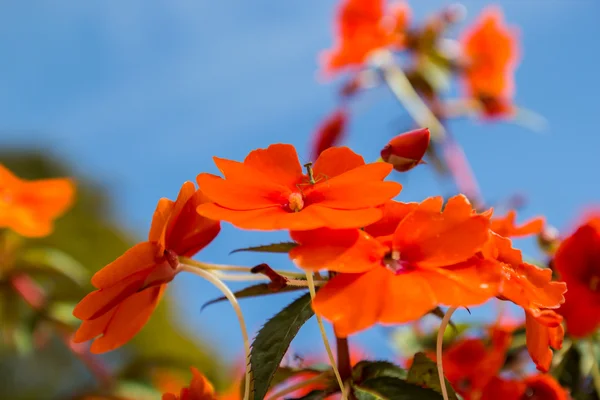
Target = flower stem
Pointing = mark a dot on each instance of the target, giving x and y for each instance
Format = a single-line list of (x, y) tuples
[(251, 277), (290, 389), (231, 268), (438, 350), (209, 276), (311, 288), (343, 357)]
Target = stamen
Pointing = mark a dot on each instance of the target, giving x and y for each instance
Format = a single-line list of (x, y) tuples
[(295, 202)]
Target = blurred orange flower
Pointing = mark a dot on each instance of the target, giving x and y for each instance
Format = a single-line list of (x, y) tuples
[(492, 51), (200, 389), (577, 261), (29, 207), (330, 132), (268, 191), (416, 258), (130, 287), (506, 226), (407, 150), (532, 288), (534, 387), (362, 27)]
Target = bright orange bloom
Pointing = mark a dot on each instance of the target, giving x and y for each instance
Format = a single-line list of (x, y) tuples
[(407, 150), (535, 387), (200, 389), (491, 48), (506, 226), (269, 191), (29, 207), (362, 27), (130, 287), (577, 261), (330, 133), (530, 287), (398, 269)]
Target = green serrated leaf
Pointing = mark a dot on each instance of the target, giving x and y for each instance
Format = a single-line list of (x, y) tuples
[(282, 247), (424, 372), (365, 370), (41, 259), (273, 340), (389, 388), (261, 289)]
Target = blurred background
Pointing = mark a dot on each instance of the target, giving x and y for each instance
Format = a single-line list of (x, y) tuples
[(133, 99)]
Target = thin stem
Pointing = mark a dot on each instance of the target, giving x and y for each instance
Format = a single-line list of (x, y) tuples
[(231, 268), (209, 276), (438, 350), (313, 293), (595, 369), (251, 277), (290, 389)]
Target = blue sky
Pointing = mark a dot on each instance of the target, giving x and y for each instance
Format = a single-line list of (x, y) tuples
[(140, 96)]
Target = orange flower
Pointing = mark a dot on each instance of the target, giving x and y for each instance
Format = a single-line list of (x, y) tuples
[(491, 48), (268, 191), (535, 387), (330, 132), (506, 226), (532, 288), (200, 389), (577, 261), (29, 207), (407, 150), (130, 287), (362, 27), (398, 269)]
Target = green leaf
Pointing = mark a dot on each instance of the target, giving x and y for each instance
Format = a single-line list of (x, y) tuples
[(63, 312), (261, 289), (450, 335), (389, 388), (40, 259), (365, 370), (568, 371), (282, 247), (424, 372), (273, 340)]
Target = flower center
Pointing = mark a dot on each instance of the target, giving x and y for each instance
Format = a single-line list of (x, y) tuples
[(295, 202), (393, 262)]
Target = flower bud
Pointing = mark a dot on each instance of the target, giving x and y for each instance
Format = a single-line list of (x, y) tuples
[(330, 132), (406, 150)]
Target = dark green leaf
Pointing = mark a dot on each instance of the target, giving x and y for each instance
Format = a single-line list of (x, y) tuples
[(424, 372), (273, 340), (261, 289), (568, 371), (373, 369), (282, 247), (388, 388)]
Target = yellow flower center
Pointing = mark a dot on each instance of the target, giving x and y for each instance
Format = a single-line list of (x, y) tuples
[(295, 202)]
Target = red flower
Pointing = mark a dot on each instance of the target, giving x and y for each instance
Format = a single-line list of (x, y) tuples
[(200, 389), (362, 27), (577, 261), (130, 287), (268, 191), (398, 269), (535, 387), (407, 150), (330, 132)]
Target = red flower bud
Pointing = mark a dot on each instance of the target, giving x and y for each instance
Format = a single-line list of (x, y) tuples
[(406, 150), (330, 132)]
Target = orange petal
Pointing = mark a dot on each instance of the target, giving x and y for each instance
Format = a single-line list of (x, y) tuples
[(200, 387), (352, 302), (92, 328), (158, 228), (99, 302), (49, 197), (274, 218), (279, 162), (506, 226), (128, 320), (7, 178), (138, 258), (393, 213), (458, 207), (407, 297), (347, 251), (335, 161), (540, 337)]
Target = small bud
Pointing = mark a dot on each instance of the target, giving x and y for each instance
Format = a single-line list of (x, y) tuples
[(330, 132), (549, 240), (406, 150)]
